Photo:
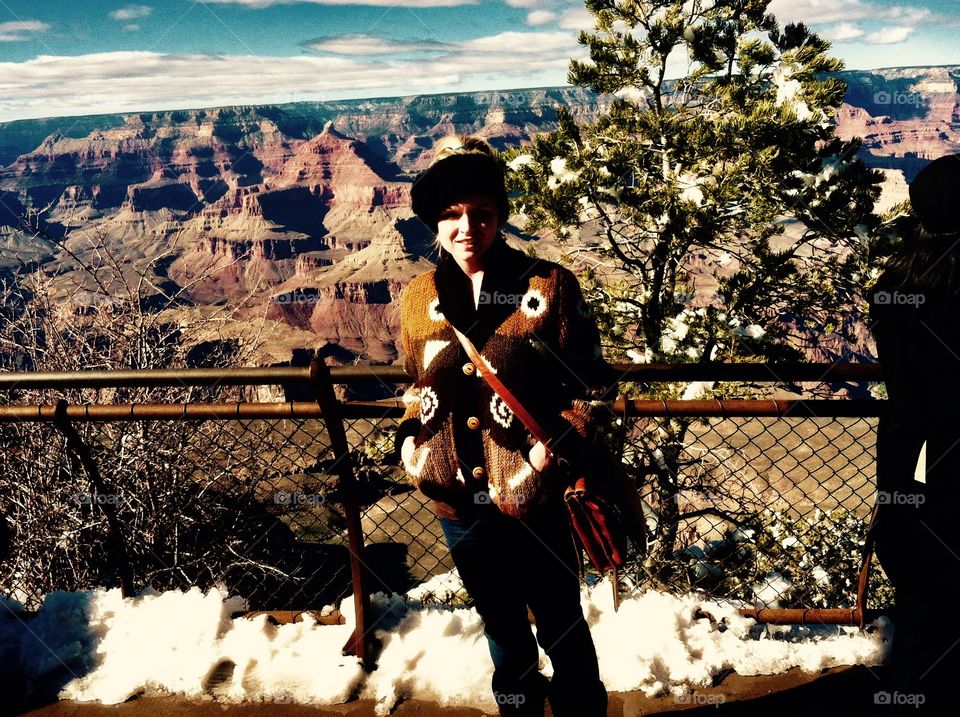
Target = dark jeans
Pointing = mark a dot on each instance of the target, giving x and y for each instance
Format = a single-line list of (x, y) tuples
[(507, 565)]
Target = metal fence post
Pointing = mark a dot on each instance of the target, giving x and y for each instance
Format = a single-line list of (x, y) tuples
[(333, 419), (80, 450)]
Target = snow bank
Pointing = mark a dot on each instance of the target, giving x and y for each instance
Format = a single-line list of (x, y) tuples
[(188, 643)]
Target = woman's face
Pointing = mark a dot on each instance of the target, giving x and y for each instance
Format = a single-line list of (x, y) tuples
[(467, 229)]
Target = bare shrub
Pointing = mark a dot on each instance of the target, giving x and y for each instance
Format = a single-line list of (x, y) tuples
[(166, 504)]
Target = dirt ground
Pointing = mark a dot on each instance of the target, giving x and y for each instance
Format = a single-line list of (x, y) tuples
[(847, 691)]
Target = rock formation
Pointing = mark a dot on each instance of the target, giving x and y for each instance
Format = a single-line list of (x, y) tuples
[(300, 213)]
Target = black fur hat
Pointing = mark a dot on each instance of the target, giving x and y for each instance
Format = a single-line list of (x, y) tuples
[(459, 171)]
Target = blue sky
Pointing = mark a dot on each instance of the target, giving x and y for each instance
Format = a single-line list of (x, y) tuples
[(95, 56)]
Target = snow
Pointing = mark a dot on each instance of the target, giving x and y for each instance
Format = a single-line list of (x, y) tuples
[(690, 190), (695, 390), (638, 357), (189, 643), (821, 576), (752, 331), (787, 91), (637, 95), (676, 329), (767, 592), (520, 160), (442, 589), (559, 174)]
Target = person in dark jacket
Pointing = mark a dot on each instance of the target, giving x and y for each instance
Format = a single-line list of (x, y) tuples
[(499, 504), (915, 310)]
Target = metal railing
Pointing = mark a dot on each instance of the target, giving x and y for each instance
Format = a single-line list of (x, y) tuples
[(295, 504)]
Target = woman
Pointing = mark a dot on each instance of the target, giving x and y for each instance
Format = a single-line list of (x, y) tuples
[(914, 307), (500, 508)]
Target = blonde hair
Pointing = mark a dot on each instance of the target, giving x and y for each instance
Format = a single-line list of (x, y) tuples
[(454, 144)]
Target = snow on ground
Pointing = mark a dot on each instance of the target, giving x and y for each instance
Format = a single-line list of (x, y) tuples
[(188, 643)]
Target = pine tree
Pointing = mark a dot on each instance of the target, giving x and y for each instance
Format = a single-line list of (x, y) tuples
[(738, 226)]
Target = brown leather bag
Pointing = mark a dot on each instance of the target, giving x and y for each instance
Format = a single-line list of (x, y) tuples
[(598, 525)]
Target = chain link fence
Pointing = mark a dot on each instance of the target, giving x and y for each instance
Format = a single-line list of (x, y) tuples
[(767, 510), (248, 504)]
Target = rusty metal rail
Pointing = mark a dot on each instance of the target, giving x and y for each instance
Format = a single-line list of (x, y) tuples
[(164, 411), (821, 408), (771, 408), (648, 373), (814, 616)]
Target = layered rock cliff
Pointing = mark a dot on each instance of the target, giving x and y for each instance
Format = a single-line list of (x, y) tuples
[(906, 116), (299, 213)]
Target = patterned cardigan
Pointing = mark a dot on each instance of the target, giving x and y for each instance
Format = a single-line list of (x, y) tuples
[(534, 331)]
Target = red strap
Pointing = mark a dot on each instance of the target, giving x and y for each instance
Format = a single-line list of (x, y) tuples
[(497, 385)]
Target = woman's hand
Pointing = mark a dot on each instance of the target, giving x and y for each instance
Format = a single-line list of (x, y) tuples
[(406, 450), (540, 457)]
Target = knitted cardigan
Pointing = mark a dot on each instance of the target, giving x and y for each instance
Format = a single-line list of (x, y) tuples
[(534, 331)]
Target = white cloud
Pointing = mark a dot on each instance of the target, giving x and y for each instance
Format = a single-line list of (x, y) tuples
[(888, 35), (20, 29), (370, 45), (843, 31), (524, 3), (504, 44), (133, 81), (24, 26), (820, 12), (577, 18), (511, 43), (909, 15), (815, 12), (132, 27), (131, 12), (541, 17)]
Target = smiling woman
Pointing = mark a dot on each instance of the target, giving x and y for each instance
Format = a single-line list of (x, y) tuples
[(492, 486)]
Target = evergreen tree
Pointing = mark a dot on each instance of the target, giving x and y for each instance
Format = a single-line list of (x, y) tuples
[(738, 226)]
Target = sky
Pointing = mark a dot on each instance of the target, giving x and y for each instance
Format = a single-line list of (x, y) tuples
[(105, 56)]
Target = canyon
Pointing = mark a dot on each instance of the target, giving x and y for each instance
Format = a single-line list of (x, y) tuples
[(296, 217)]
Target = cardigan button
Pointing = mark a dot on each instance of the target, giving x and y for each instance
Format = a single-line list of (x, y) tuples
[(469, 368), (473, 423), (479, 473)]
